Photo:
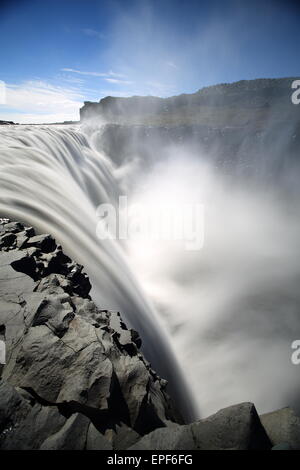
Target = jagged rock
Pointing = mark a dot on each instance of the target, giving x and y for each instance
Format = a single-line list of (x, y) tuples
[(13, 227), (122, 437), (12, 282), (96, 441), (72, 435), (73, 374), (237, 427), (45, 243), (7, 239), (13, 408), (25, 425), (282, 426), (74, 377)]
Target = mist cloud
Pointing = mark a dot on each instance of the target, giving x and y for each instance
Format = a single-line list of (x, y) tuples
[(232, 307)]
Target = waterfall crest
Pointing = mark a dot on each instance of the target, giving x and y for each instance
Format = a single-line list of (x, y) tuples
[(52, 179)]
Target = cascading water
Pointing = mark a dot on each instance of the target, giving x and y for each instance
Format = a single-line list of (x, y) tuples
[(52, 179), (230, 311), (233, 306)]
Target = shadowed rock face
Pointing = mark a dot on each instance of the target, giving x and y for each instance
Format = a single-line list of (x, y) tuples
[(74, 377)]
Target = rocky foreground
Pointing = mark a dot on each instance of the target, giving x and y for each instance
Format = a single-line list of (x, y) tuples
[(74, 377)]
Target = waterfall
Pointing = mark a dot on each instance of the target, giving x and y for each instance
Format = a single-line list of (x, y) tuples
[(232, 306), (51, 178), (226, 314)]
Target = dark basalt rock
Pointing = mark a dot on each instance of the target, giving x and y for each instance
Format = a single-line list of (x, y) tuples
[(237, 427), (74, 378), (6, 123), (283, 428)]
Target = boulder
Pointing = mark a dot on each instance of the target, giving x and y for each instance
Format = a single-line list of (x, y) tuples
[(237, 427), (282, 426)]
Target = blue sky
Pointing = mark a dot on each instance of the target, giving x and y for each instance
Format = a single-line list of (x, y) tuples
[(55, 54)]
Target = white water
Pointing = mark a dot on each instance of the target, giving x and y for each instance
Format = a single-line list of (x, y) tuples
[(51, 179), (229, 312), (232, 307)]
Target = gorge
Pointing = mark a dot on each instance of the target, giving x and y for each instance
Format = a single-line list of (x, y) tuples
[(218, 323)]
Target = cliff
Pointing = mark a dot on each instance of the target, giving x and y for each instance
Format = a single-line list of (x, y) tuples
[(7, 123), (232, 104), (250, 128), (74, 377)]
